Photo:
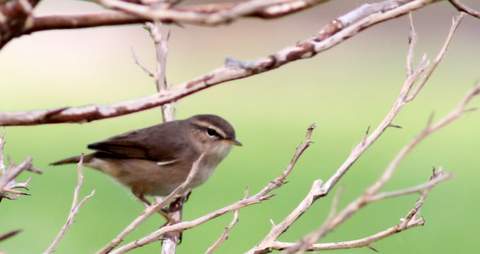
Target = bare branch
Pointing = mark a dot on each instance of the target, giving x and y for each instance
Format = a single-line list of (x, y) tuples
[(76, 205), (359, 243), (320, 189), (465, 8), (260, 196), (8, 184), (257, 8), (332, 34), (86, 20), (370, 194), (438, 178), (111, 18), (412, 42), (160, 39), (224, 236), (139, 64), (15, 15), (441, 54)]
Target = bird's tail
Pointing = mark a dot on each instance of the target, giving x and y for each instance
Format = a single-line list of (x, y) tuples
[(71, 160)]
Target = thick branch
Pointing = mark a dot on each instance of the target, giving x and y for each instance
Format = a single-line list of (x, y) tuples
[(331, 35), (111, 18), (86, 20), (222, 14), (14, 17)]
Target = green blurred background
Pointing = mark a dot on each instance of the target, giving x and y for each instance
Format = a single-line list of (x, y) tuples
[(343, 90)]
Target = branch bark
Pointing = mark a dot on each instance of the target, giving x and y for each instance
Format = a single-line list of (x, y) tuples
[(219, 14), (15, 15)]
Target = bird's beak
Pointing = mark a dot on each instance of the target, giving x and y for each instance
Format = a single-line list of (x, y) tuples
[(236, 142)]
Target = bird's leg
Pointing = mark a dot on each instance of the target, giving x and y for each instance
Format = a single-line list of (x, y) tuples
[(187, 196), (141, 196)]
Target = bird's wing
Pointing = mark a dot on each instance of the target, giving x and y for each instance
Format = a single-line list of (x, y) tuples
[(153, 143)]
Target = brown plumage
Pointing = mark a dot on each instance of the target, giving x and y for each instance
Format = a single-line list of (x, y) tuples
[(156, 159)]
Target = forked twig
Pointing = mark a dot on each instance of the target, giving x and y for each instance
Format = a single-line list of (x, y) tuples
[(77, 203), (224, 236)]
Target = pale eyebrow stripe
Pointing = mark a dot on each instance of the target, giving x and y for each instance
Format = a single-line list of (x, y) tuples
[(208, 125)]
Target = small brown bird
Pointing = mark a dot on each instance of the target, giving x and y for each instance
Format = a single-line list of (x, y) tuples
[(157, 159)]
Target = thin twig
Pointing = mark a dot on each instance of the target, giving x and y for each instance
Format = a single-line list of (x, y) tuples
[(139, 64), (74, 209), (465, 8), (224, 236), (443, 176), (441, 54)]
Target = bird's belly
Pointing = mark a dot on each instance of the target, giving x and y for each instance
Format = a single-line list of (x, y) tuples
[(142, 176)]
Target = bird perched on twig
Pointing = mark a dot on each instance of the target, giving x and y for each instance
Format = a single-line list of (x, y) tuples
[(157, 159)]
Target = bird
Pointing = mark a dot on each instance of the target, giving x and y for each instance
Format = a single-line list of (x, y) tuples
[(154, 160)]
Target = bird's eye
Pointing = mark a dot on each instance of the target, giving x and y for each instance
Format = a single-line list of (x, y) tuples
[(212, 133)]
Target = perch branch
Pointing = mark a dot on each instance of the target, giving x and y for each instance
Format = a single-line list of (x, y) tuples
[(332, 34), (160, 40), (77, 203)]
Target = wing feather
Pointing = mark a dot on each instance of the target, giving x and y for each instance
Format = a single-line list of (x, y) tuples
[(160, 143)]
